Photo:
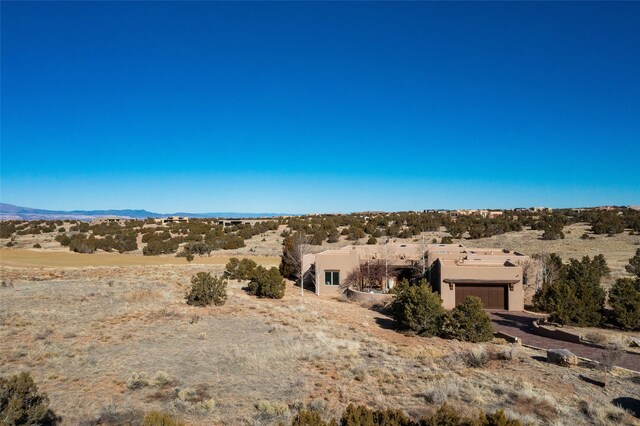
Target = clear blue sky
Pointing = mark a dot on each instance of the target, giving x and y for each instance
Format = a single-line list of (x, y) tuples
[(319, 107)]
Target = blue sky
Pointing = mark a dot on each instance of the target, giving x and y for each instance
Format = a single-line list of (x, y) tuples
[(319, 107)]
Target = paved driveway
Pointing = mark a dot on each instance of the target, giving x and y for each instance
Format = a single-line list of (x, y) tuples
[(519, 324)]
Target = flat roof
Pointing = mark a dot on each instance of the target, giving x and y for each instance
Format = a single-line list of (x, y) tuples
[(477, 281)]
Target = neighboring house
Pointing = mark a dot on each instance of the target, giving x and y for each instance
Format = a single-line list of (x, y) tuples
[(233, 222), (172, 219), (102, 220), (491, 214), (455, 271)]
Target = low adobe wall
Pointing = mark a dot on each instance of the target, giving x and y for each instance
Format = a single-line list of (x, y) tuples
[(565, 336), (508, 337), (368, 299)]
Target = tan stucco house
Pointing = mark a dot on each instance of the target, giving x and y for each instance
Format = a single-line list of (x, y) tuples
[(454, 271)]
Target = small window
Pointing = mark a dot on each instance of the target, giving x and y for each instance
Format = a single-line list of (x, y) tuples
[(332, 277)]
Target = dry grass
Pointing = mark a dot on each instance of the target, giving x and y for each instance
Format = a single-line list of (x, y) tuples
[(65, 258), (111, 343), (617, 249)]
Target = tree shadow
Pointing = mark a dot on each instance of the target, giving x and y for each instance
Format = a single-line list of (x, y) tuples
[(386, 323), (632, 405), (511, 320), (591, 381)]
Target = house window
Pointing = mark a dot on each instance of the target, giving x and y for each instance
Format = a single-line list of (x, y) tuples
[(332, 277)]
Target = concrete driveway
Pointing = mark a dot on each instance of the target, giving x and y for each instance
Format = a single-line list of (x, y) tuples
[(519, 324)]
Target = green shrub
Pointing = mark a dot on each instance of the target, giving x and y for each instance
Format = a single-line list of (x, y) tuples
[(6, 229), (445, 415), (309, 418), (186, 254), (372, 240), (21, 404), (233, 242), (155, 247), (498, 418), (634, 264), (418, 308), (156, 418), (81, 244), (267, 283), (334, 236), (37, 245), (318, 237), (468, 322), (446, 240), (363, 416), (624, 300), (575, 297), (206, 289), (243, 269), (355, 233)]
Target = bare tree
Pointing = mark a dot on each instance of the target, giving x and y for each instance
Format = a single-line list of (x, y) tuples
[(368, 274), (423, 253), (294, 248), (609, 358), (547, 270), (385, 253)]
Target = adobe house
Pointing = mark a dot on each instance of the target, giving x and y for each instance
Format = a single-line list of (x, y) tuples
[(172, 219), (102, 220), (497, 283), (454, 270), (331, 267), (494, 275)]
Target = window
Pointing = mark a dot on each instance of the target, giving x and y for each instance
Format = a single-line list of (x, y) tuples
[(332, 277)]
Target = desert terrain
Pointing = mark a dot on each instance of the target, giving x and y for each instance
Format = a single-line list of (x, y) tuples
[(109, 337)]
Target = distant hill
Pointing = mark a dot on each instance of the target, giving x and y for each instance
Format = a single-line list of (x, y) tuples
[(11, 212)]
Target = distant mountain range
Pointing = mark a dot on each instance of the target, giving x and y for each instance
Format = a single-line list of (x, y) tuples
[(11, 212)]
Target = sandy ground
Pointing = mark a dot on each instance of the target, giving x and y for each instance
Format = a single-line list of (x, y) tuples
[(63, 258)]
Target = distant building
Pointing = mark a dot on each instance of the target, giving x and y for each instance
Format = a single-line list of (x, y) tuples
[(103, 220), (232, 222), (172, 219), (476, 212)]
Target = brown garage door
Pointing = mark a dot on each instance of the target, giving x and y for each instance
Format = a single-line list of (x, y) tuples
[(492, 296)]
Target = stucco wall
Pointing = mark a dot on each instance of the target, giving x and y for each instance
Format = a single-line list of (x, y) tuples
[(481, 273), (368, 299), (342, 261)]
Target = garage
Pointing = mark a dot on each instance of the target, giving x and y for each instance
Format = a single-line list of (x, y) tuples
[(493, 296)]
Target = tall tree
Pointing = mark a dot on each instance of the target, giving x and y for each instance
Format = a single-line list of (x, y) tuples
[(294, 247)]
